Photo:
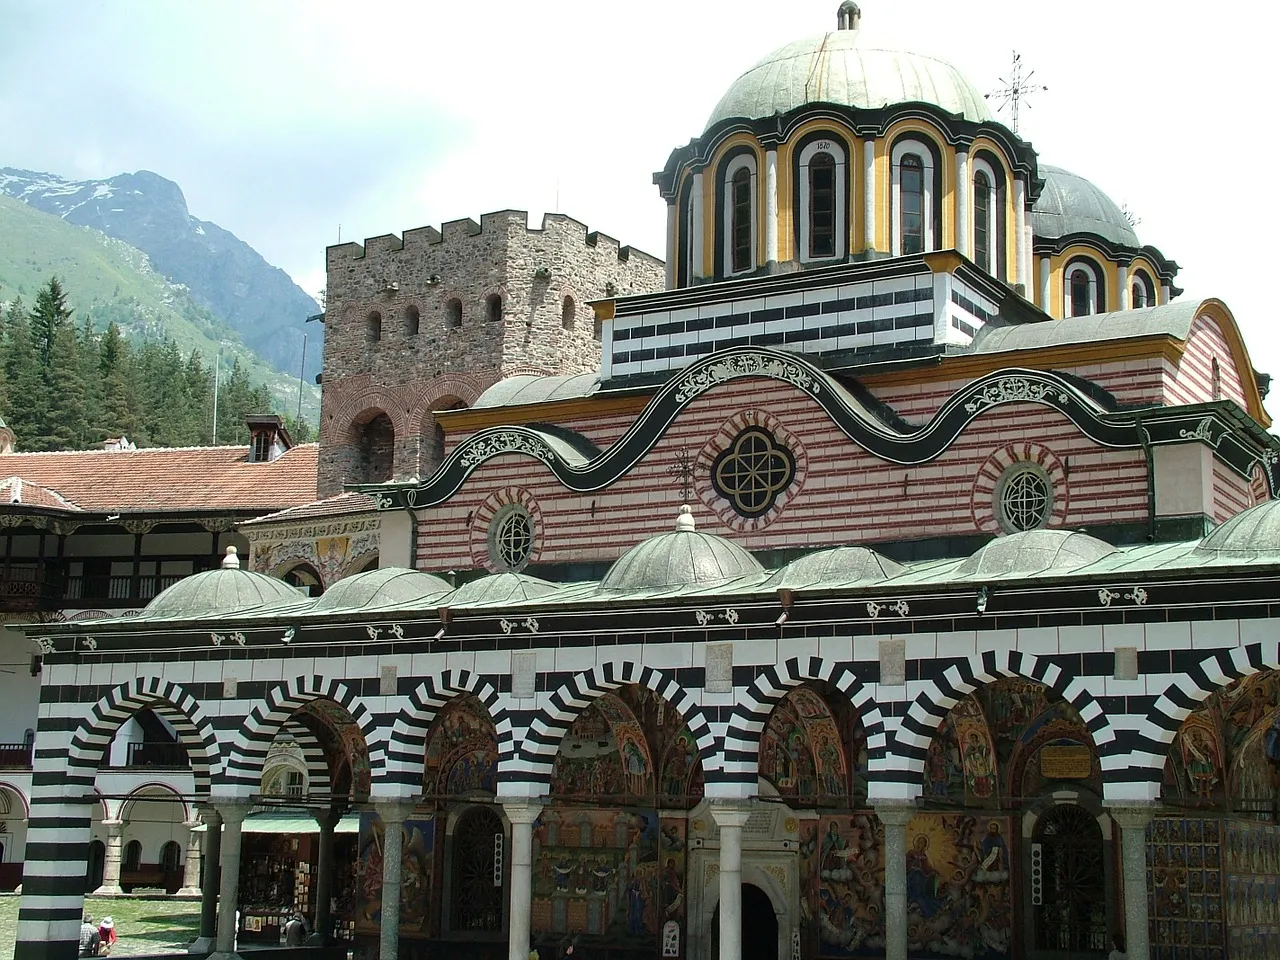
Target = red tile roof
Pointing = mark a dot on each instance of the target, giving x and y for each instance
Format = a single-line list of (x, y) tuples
[(341, 505), (167, 480), (16, 490)]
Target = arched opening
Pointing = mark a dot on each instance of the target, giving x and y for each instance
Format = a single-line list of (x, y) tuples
[(375, 450), (736, 214), (1142, 291), (568, 313), (822, 206), (740, 234), (1080, 297), (911, 213), (373, 326), (759, 925), (1085, 291), (146, 740), (814, 750), (982, 220), (132, 861), (95, 865), (13, 832), (453, 314), (493, 308), (412, 320), (478, 871), (610, 848), (170, 856), (431, 449), (1068, 882), (305, 578), (151, 819)]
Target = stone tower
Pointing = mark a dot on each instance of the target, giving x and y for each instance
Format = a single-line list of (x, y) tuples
[(429, 321)]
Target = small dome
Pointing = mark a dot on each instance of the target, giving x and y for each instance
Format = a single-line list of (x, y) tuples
[(498, 589), (682, 558), (525, 388), (1247, 534), (1034, 552), (835, 68), (1071, 204), (220, 592), (386, 586), (841, 565)]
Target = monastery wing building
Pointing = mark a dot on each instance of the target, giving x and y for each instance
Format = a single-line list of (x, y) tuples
[(891, 573)]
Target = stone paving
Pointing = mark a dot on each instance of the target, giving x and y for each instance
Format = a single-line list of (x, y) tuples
[(160, 925)]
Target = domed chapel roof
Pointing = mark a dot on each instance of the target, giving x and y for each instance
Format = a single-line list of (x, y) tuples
[(682, 558), (1071, 204), (228, 589), (1248, 533), (836, 68)]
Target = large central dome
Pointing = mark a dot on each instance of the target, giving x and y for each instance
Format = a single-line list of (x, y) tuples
[(835, 68)]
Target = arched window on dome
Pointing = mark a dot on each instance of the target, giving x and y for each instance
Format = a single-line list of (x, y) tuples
[(684, 247), (990, 227), (914, 170), (1084, 290), (983, 201), (736, 243), (1142, 291), (821, 201)]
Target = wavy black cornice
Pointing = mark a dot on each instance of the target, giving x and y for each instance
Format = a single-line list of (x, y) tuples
[(1232, 442)]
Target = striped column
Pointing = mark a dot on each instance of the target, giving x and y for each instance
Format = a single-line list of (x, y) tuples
[(56, 856)]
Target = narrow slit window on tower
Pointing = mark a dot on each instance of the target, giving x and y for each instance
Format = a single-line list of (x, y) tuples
[(453, 313), (568, 313), (741, 239), (493, 308), (822, 206), (412, 320), (375, 326), (911, 201), (1216, 379), (982, 221)]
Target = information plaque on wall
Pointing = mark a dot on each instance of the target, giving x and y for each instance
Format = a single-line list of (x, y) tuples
[(1066, 762)]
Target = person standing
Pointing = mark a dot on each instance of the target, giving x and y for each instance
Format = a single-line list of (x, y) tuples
[(89, 938)]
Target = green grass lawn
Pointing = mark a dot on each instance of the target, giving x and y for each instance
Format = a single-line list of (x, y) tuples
[(145, 926)]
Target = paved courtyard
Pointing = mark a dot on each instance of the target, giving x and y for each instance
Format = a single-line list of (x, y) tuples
[(145, 926)]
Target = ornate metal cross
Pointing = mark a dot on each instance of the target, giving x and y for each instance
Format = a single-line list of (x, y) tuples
[(1013, 91), (683, 468)]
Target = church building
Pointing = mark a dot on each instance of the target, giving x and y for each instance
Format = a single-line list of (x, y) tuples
[(890, 572)]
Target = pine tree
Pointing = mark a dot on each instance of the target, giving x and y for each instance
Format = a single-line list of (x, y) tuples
[(119, 409), (49, 313), (27, 393), (65, 426)]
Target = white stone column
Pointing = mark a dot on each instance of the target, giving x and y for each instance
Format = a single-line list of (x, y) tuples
[(233, 814), (1122, 285), (112, 855), (868, 196), (393, 814), (696, 219), (1165, 293), (672, 248), (521, 813), (1046, 275), (730, 819), (964, 209), (895, 818), (1023, 272), (771, 206), (1133, 820), (191, 866)]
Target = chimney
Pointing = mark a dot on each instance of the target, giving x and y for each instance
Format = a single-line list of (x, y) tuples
[(116, 444), (268, 439), (6, 438)]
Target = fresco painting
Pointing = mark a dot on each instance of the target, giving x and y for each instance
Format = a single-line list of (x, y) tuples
[(849, 881), (1252, 860), (344, 744), (1185, 878), (672, 852), (598, 873), (462, 751), (814, 750), (417, 873), (1058, 726)]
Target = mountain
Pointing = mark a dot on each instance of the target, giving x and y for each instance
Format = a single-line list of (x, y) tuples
[(220, 270), (108, 279)]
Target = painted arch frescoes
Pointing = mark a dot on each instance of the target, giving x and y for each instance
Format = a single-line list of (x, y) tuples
[(1226, 753), (462, 751), (814, 749)]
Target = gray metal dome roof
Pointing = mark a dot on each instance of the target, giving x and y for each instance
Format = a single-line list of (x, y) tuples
[(529, 388), (219, 592), (380, 588), (1071, 204), (500, 588), (840, 565), (1034, 552), (835, 68), (681, 558), (1247, 534)]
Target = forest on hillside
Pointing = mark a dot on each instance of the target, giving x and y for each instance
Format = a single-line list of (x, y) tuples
[(68, 384)]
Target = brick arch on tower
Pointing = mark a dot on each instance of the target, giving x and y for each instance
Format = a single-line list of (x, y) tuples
[(282, 700), (466, 388), (551, 725), (407, 745), (757, 703), (363, 407), (930, 708), (166, 699), (1183, 695)]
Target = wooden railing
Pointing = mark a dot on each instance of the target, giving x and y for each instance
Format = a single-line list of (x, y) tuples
[(16, 755)]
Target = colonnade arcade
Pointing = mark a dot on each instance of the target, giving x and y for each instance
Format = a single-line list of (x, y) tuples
[(620, 819)]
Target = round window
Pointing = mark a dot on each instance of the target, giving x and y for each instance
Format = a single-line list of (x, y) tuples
[(1024, 498), (511, 537), (753, 472)]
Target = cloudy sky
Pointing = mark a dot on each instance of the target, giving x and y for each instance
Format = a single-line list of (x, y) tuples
[(287, 121)]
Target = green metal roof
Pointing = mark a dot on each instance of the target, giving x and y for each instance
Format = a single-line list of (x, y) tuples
[(228, 590), (384, 587), (679, 559), (835, 68), (1170, 319), (529, 388)]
